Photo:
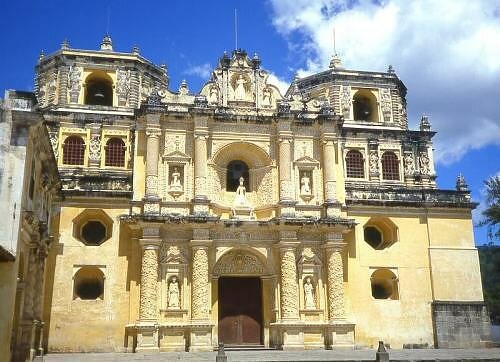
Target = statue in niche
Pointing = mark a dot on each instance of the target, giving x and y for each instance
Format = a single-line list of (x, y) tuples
[(241, 192), (214, 95), (309, 294), (266, 97), (239, 90), (173, 293), (305, 184), (175, 181)]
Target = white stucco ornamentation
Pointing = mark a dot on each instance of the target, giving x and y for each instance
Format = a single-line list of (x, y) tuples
[(199, 290)]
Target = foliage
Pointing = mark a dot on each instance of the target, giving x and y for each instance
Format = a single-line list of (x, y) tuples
[(491, 216), (489, 258)]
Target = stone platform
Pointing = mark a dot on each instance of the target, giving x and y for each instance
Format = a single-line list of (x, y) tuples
[(441, 355)]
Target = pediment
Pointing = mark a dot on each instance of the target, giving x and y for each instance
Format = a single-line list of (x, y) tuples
[(176, 156), (306, 161)]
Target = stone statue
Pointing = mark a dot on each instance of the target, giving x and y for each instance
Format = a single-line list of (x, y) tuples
[(305, 185), (239, 91), (214, 95), (309, 294), (175, 182), (266, 97), (241, 192), (173, 293)]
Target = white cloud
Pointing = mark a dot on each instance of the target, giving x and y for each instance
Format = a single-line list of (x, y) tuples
[(445, 51), (203, 70), (278, 82)]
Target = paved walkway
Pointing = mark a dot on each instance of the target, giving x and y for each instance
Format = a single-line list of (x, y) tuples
[(491, 354)]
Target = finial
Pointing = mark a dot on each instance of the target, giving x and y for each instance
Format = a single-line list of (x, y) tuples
[(135, 49), (65, 44), (335, 62), (255, 56), (107, 43), (425, 125), (461, 185), (41, 55), (390, 69), (183, 89)]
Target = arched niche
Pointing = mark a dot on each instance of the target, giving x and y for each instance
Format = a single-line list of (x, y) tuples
[(240, 262), (98, 89)]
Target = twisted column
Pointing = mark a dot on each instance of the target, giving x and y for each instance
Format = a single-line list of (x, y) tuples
[(199, 284), (152, 153), (289, 289), (335, 278), (149, 279)]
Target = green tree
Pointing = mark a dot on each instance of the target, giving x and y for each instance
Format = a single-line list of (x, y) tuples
[(491, 216)]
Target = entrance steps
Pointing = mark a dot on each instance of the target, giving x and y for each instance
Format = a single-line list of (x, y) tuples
[(246, 347)]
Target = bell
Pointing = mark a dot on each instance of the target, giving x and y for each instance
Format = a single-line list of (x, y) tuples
[(99, 95)]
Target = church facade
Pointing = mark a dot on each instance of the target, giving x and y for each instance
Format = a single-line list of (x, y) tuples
[(242, 216)]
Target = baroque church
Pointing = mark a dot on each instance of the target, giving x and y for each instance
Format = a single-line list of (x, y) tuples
[(241, 215)]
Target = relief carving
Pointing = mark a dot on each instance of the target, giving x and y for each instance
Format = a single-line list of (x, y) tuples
[(386, 104), (149, 276), (123, 86), (373, 161), (424, 163), (335, 284), (239, 263), (346, 101), (95, 148), (200, 302), (409, 164), (289, 292), (74, 86)]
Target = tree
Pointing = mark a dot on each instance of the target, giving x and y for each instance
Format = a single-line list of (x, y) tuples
[(491, 216)]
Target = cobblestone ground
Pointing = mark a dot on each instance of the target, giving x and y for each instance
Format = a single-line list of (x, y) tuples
[(491, 354)]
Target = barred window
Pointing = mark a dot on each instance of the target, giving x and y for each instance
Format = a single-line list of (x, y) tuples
[(74, 151), (115, 152), (390, 166), (355, 165)]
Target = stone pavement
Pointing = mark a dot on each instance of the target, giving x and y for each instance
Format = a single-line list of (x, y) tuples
[(442, 355)]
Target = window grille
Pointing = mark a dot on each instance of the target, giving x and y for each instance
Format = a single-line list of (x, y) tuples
[(355, 167), (115, 153), (74, 151), (390, 166)]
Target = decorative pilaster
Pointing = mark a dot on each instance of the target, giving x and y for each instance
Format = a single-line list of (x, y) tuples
[(201, 331), (331, 202), (287, 199), (95, 145), (151, 205), (373, 160), (289, 290), (147, 335), (200, 167)]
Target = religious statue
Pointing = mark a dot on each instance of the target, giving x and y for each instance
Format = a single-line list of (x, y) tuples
[(266, 97), (241, 191), (175, 182), (173, 293), (309, 294), (305, 184), (214, 95), (239, 91)]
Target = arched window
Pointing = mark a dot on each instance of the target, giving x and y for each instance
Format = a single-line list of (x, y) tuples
[(115, 152), (384, 284), (365, 106), (390, 166), (88, 283), (99, 89), (74, 151), (355, 165), (235, 170)]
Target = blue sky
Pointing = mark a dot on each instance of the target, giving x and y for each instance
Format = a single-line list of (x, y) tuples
[(444, 52)]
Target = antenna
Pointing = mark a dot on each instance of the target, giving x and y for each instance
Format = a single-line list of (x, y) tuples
[(107, 24), (235, 29), (334, 42)]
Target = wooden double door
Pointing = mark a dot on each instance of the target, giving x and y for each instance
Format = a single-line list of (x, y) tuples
[(240, 310)]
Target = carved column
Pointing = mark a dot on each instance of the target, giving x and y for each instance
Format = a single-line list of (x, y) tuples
[(329, 180), (335, 275), (147, 335), (201, 332), (200, 167), (153, 132), (289, 289), (95, 145)]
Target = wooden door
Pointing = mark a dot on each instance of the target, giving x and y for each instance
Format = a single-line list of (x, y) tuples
[(240, 310)]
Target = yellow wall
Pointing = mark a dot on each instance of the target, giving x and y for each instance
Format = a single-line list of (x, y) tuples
[(8, 274), (104, 320)]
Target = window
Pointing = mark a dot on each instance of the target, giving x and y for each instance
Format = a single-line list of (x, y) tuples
[(373, 237), (355, 166), (365, 106), (93, 232), (88, 283), (73, 151), (384, 284), (390, 166), (380, 232), (235, 170), (99, 89), (115, 152)]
